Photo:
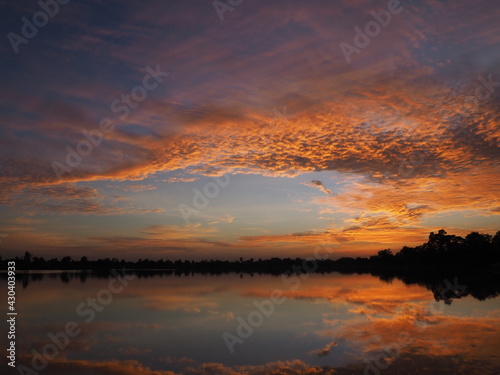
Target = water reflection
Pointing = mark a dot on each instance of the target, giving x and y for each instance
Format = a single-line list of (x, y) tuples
[(480, 285), (167, 323)]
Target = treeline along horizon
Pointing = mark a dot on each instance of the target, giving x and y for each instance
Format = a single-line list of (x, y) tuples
[(441, 249)]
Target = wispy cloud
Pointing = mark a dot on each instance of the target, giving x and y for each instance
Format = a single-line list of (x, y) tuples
[(317, 184)]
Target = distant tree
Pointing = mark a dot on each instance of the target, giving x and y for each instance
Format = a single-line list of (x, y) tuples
[(406, 252), (27, 257), (496, 241), (438, 243), (477, 243), (384, 254)]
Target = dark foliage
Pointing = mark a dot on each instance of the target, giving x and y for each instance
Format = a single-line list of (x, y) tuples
[(441, 250)]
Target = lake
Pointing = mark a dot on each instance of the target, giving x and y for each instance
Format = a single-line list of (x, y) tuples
[(80, 323)]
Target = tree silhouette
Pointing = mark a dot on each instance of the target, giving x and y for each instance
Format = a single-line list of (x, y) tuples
[(441, 250)]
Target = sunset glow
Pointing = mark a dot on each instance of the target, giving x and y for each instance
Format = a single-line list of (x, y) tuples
[(175, 130)]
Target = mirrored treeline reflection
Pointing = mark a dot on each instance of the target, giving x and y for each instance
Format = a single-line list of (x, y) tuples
[(480, 284)]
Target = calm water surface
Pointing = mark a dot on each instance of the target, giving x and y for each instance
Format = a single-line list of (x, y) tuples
[(201, 324)]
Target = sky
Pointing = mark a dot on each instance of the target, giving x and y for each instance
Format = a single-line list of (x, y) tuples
[(219, 130)]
